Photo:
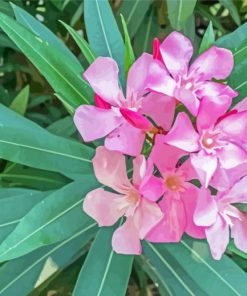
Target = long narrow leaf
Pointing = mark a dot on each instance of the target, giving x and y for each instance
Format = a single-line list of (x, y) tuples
[(110, 271)]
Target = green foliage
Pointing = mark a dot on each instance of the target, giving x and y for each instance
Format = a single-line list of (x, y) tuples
[(111, 272), (46, 170)]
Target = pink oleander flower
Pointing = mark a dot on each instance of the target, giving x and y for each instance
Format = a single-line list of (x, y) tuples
[(180, 197), (220, 138), (217, 215), (117, 118), (171, 74), (135, 200)]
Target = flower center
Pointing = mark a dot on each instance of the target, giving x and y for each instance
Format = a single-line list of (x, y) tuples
[(188, 85), (133, 197), (208, 142), (211, 140), (175, 181)]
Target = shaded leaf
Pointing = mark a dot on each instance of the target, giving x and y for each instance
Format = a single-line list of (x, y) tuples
[(55, 218), (19, 104), (110, 273), (208, 39)]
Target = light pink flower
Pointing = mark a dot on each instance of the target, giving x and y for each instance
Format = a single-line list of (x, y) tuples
[(117, 118), (180, 195), (220, 138), (217, 215), (171, 74), (135, 200)]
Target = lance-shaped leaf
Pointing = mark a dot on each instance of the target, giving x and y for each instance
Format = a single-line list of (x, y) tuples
[(62, 74), (43, 32), (14, 206), (179, 11), (19, 104), (24, 142), (134, 13), (110, 271), (103, 33), (208, 39), (20, 276), (188, 269), (55, 218), (237, 42), (129, 56), (82, 44)]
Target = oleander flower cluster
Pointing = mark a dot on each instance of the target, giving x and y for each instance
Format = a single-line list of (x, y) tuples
[(184, 145)]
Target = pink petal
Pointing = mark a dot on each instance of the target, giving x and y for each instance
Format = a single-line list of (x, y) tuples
[(224, 179), (182, 135), (218, 237), (125, 239), (176, 51), (238, 192), (241, 106), (205, 165), (188, 98), (137, 75), (213, 89), (235, 126), (102, 75), (100, 103), (153, 188), (231, 156), (172, 226), (239, 232), (146, 217), (136, 119), (99, 202), (94, 123), (156, 50), (159, 80), (126, 139), (206, 118), (209, 64), (164, 156), (110, 169), (188, 170), (160, 108), (206, 210), (189, 197), (141, 169)]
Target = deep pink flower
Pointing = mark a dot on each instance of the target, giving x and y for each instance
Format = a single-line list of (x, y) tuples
[(180, 195), (117, 118), (220, 138), (217, 215), (136, 199), (189, 84)]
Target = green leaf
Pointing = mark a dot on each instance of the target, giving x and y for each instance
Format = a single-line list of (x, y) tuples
[(129, 53), (208, 39), (22, 141), (179, 11), (22, 275), (134, 13), (110, 271), (102, 31), (229, 4), (231, 247), (63, 127), (82, 43), (237, 42), (57, 68), (188, 269), (15, 205), (23, 176), (43, 32), (235, 39), (56, 218), (144, 38), (6, 8), (19, 104)]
